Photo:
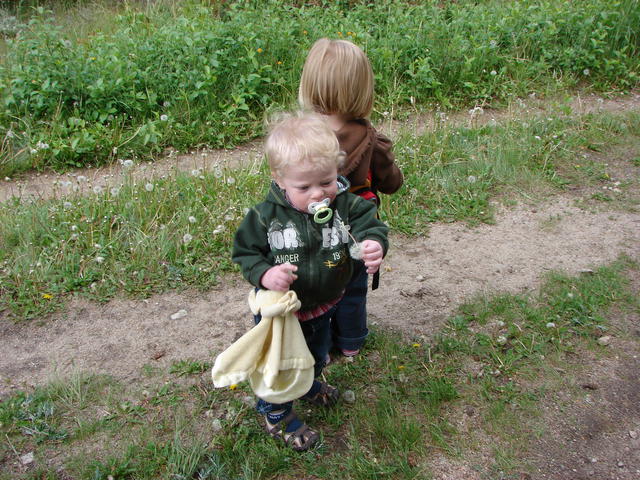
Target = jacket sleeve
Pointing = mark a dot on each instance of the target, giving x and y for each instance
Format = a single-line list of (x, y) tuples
[(251, 248), (365, 224), (387, 177)]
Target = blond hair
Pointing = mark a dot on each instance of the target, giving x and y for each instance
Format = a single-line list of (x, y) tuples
[(337, 79), (301, 138)]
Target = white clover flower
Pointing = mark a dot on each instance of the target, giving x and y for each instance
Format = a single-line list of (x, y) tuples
[(97, 189), (586, 72), (67, 205), (164, 118), (127, 163), (115, 191), (192, 219), (149, 187), (186, 238), (99, 259)]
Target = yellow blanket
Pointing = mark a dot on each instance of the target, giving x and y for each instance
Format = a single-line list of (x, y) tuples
[(273, 355)]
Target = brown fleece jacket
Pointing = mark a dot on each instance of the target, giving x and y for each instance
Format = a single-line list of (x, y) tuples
[(367, 150)]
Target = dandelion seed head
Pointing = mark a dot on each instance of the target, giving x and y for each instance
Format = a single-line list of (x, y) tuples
[(164, 117), (586, 72), (97, 189), (115, 191), (127, 163), (81, 179), (186, 238), (192, 219), (99, 259), (231, 180), (195, 172), (149, 187), (551, 325), (471, 179), (67, 205)]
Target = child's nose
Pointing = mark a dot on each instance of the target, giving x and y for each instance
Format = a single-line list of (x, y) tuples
[(317, 194)]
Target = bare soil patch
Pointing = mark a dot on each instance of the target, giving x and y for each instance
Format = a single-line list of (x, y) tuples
[(48, 184)]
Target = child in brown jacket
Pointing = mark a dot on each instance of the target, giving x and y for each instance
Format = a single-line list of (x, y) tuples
[(337, 81)]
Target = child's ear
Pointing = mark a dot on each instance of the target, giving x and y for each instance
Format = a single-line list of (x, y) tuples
[(276, 179)]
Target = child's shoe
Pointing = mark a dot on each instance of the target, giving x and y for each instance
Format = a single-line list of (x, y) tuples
[(324, 395), (349, 353), (293, 432)]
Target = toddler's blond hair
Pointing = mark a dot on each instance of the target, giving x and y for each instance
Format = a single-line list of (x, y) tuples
[(301, 138), (337, 79)]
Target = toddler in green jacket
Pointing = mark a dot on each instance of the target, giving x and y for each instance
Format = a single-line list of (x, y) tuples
[(303, 237)]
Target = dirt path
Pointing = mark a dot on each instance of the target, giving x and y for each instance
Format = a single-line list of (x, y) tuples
[(423, 281), (46, 185)]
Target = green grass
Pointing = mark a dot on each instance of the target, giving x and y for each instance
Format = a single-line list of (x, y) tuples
[(408, 396), (137, 239), (76, 90)]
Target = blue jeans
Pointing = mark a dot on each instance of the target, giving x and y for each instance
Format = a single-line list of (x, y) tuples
[(317, 333), (349, 323)]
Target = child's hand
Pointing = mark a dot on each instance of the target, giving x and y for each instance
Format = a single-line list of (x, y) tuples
[(372, 253), (279, 278)]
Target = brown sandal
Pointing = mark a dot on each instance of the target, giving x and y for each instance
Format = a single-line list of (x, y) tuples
[(326, 397), (300, 440)]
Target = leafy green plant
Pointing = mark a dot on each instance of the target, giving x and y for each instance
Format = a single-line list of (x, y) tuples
[(205, 74)]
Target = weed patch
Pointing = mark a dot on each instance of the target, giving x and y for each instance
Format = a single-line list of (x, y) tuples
[(206, 74), (409, 397)]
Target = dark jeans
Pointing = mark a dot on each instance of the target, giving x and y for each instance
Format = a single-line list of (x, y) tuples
[(317, 334), (349, 323)]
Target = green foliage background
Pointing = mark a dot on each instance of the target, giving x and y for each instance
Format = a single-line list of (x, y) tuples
[(203, 73)]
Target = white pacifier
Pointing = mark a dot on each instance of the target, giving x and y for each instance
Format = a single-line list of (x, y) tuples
[(321, 211)]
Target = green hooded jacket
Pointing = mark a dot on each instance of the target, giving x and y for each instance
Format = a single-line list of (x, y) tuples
[(274, 232)]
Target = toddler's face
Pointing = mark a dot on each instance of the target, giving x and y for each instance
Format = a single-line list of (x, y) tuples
[(305, 184)]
